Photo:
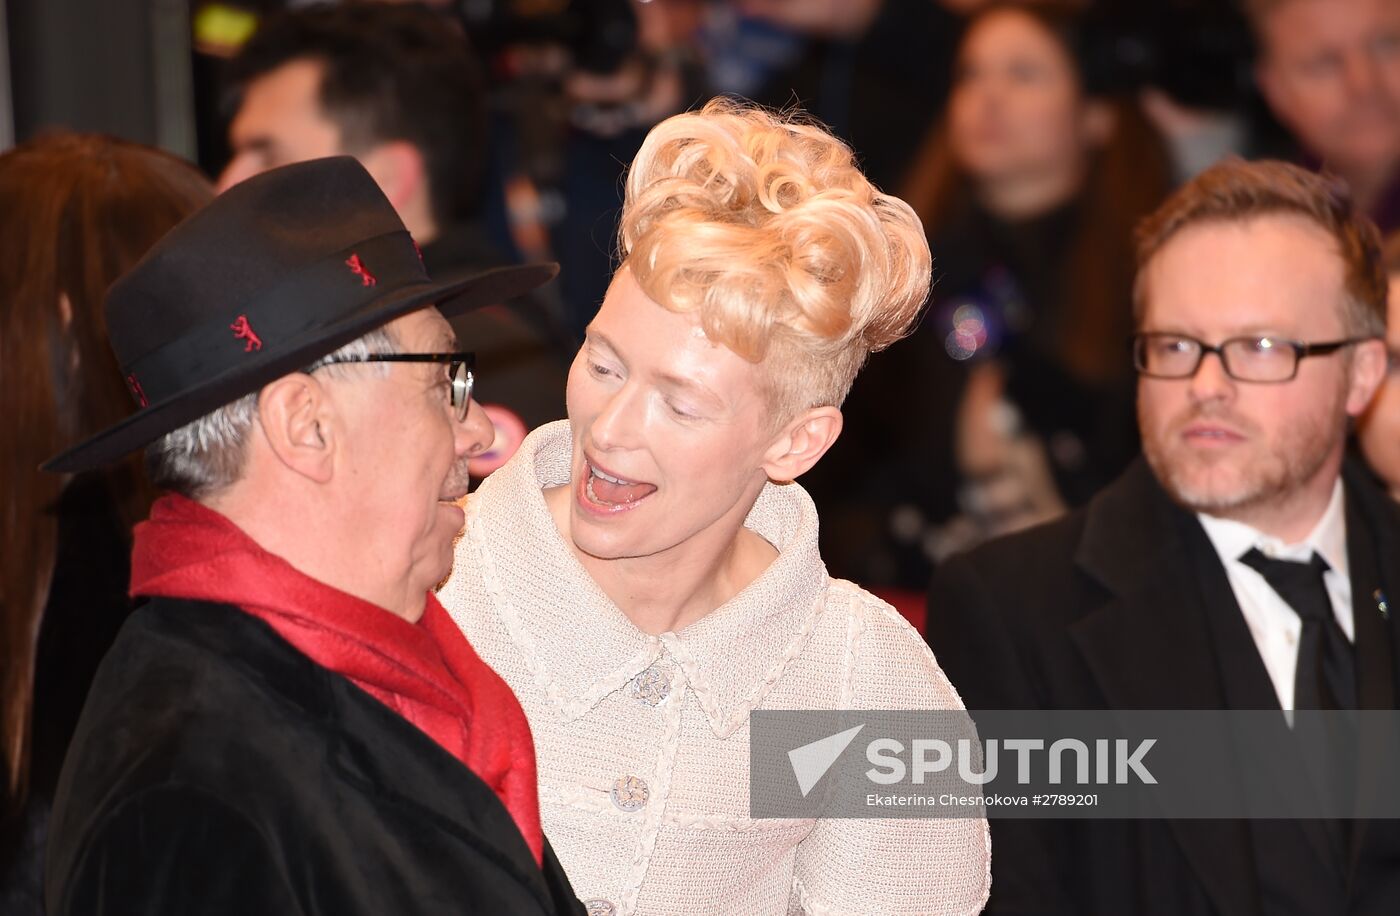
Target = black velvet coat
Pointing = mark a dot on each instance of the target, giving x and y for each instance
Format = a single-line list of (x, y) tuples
[(217, 770)]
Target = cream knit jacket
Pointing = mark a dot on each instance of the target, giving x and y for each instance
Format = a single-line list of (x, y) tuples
[(643, 741)]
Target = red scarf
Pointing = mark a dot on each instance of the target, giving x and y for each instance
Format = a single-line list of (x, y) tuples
[(428, 673)]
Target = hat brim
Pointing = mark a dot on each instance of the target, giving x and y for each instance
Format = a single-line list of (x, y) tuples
[(452, 296)]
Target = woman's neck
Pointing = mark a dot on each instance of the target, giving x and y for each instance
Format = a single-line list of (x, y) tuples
[(1022, 197), (669, 590)]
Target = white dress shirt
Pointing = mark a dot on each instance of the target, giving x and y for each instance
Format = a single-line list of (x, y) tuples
[(643, 741), (1272, 622)]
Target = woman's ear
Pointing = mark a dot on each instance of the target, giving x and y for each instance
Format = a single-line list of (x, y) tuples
[(297, 419), (802, 443)]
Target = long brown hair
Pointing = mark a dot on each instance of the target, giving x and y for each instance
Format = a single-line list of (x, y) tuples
[(76, 211), (1126, 178)]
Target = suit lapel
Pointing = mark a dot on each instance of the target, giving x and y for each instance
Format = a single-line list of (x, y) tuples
[(1155, 643), (1150, 646)]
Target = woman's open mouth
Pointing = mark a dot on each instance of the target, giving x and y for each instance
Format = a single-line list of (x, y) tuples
[(609, 492)]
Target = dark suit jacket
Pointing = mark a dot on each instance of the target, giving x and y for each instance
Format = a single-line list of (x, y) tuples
[(1125, 605), (217, 770)]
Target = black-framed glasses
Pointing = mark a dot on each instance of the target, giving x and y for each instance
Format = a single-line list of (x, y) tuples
[(1261, 358), (461, 372)]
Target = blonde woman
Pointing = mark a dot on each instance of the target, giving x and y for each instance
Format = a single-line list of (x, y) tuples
[(646, 574)]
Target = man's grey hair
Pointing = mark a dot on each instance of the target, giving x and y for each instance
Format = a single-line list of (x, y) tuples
[(207, 455)]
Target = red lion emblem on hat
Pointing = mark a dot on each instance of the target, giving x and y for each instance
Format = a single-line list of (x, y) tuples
[(242, 330), (358, 268), (136, 391)]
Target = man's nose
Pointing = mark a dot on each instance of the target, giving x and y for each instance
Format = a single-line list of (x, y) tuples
[(1211, 382), (473, 435)]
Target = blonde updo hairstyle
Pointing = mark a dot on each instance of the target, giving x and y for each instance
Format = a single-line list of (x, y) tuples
[(762, 225)]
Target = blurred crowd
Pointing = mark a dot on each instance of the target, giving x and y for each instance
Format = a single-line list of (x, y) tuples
[(1030, 137)]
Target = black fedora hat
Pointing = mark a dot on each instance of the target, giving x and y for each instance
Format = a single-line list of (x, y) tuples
[(275, 273)]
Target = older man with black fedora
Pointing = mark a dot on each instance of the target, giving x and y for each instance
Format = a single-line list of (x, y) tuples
[(291, 723)]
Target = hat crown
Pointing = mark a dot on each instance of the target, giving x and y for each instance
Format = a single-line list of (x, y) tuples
[(249, 241)]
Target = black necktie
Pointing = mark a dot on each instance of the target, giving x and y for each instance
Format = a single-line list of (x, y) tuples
[(1326, 673)]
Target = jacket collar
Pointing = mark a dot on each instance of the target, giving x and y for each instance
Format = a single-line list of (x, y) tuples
[(1150, 642), (579, 645)]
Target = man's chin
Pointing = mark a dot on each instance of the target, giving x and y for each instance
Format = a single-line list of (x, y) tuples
[(1212, 492), (439, 572), (435, 565), (1198, 483), (456, 516)]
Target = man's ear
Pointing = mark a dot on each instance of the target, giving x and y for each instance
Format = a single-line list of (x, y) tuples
[(1368, 369), (802, 443), (399, 169), (297, 421)]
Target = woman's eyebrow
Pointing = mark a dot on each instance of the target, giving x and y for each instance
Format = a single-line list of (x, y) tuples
[(690, 385)]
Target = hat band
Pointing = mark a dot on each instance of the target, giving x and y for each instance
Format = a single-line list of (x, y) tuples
[(317, 296)]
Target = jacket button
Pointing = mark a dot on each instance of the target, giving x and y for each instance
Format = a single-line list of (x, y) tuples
[(652, 686), (630, 793), (599, 907)]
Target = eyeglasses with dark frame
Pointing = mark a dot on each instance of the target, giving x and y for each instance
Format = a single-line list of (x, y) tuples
[(1261, 358), (461, 372)]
